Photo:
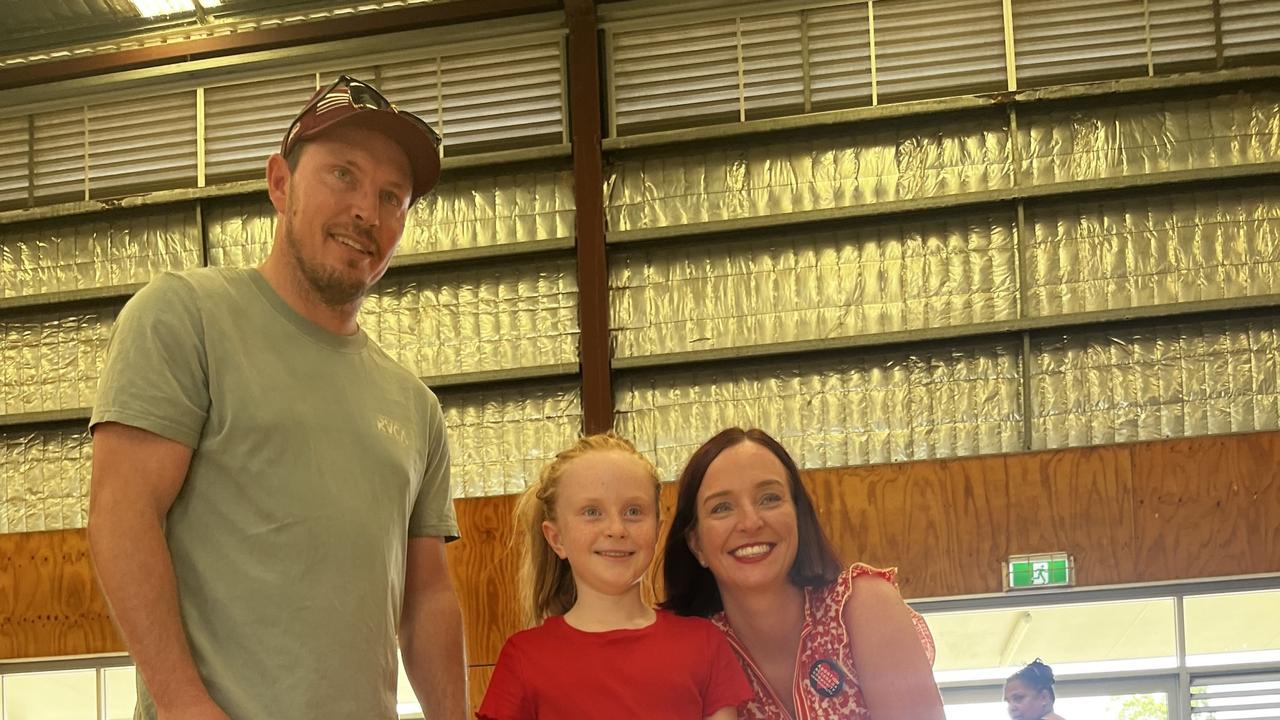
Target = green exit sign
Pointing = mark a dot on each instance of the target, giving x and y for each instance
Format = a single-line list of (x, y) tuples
[(1024, 572)]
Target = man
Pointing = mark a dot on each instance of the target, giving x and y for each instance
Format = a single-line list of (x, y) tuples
[(270, 495)]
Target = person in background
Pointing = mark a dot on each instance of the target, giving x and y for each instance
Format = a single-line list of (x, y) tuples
[(1029, 693), (590, 526), (817, 640), (270, 492)]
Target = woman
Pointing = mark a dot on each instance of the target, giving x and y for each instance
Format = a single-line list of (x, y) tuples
[(817, 641), (1029, 693)]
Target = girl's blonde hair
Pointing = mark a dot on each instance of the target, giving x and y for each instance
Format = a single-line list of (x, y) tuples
[(546, 582)]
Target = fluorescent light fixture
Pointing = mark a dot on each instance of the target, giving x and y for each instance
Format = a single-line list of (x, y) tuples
[(154, 8)]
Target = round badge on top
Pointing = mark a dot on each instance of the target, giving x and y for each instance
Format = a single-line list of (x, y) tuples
[(826, 677)]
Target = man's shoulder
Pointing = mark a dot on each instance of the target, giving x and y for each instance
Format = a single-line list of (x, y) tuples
[(196, 283), (214, 280)]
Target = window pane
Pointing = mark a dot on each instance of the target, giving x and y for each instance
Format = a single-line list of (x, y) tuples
[(1096, 637), (407, 706), (69, 695), (1233, 628), (1234, 697), (122, 692), (1152, 706)]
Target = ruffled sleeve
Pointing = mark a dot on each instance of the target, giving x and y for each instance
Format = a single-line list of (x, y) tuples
[(844, 587)]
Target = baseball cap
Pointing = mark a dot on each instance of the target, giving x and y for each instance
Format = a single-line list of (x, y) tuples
[(349, 100)]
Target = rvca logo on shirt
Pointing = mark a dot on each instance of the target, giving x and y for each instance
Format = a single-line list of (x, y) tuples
[(390, 427)]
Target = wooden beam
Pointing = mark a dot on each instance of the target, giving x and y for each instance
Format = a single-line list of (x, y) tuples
[(374, 23), (588, 172)]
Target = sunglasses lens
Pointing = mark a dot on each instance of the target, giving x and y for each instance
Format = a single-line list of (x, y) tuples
[(363, 96)]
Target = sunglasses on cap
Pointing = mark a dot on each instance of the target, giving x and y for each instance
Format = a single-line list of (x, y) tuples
[(347, 100), (364, 97)]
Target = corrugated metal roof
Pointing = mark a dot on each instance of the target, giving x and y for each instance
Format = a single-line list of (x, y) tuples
[(36, 31)]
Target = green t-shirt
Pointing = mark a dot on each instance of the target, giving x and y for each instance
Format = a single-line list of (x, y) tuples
[(316, 457)]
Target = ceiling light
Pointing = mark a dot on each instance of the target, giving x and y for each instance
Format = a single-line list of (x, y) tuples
[(154, 8)]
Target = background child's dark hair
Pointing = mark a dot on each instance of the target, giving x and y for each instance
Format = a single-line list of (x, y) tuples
[(1037, 676)]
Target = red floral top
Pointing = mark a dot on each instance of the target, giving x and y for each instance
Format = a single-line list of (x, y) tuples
[(825, 686)]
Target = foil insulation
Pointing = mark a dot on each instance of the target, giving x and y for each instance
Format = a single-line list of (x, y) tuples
[(1121, 140), (476, 318), (683, 186), (1164, 382), (852, 281), (870, 409), (500, 438), (239, 232), (52, 361), (79, 253), (44, 479), (469, 212), (479, 210), (1153, 249)]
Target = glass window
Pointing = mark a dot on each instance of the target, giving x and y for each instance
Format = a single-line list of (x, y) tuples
[(407, 707), (1094, 637), (1232, 628), (64, 695), (1235, 698), (1138, 706), (119, 685)]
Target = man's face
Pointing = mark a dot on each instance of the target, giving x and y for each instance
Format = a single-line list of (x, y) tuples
[(344, 211)]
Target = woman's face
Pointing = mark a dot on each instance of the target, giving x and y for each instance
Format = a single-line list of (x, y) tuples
[(746, 531), (1025, 703)]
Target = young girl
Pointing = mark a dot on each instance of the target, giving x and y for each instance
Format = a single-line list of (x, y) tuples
[(591, 524)]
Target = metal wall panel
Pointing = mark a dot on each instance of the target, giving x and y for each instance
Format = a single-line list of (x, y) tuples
[(509, 97), (245, 123), (13, 162), (1250, 28), (839, 56), (831, 413), (44, 480), (857, 280), (1182, 35), (936, 48), (1086, 39), (1154, 249), (676, 76), (679, 186), (52, 361), (1150, 137), (58, 160), (1166, 381), (148, 143), (96, 251), (500, 438), (477, 318), (773, 81)]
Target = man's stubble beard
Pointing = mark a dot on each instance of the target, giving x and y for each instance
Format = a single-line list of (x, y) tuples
[(329, 286)]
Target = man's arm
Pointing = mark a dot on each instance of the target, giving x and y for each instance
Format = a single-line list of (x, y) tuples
[(431, 639), (136, 476)]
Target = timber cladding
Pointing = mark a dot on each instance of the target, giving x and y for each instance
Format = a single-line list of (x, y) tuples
[(1166, 510), (49, 600)]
